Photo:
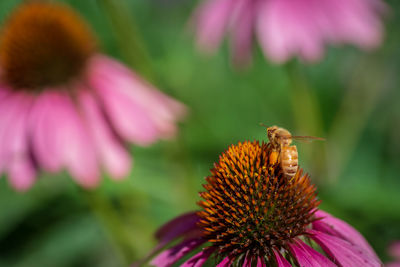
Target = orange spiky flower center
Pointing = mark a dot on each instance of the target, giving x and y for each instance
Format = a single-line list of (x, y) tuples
[(43, 45), (249, 205)]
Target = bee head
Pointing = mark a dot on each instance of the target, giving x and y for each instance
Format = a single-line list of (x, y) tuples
[(271, 133)]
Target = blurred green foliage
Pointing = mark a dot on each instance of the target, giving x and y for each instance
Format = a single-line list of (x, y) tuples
[(58, 224)]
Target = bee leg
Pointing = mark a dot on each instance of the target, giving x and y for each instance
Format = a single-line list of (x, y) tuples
[(273, 159)]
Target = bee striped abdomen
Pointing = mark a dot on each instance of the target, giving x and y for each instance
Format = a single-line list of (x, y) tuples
[(289, 160)]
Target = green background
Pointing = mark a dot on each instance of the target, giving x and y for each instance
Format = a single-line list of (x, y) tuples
[(357, 169)]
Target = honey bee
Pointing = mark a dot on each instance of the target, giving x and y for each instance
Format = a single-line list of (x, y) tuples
[(281, 140)]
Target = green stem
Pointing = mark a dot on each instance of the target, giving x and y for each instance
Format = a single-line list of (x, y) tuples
[(128, 36), (182, 170), (110, 220), (359, 101)]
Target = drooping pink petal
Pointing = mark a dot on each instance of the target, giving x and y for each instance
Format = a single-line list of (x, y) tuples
[(8, 111), (114, 156), (356, 22), (306, 256), (286, 28), (339, 228), (280, 260), (273, 40), (199, 259), (247, 260), (22, 173), (306, 39), (4, 91), (170, 256), (211, 20), (182, 226), (167, 107), (71, 142), (15, 140), (343, 252), (130, 120), (164, 110), (137, 111), (260, 262), (242, 31), (177, 227), (42, 123), (226, 262), (394, 250), (392, 264)]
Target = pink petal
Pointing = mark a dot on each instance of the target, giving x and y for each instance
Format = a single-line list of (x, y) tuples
[(71, 143), (43, 122), (150, 97), (271, 34), (247, 260), (177, 227), (260, 262), (199, 259), (9, 110), (289, 28), (184, 225), (211, 19), (280, 260), (116, 159), (170, 256), (394, 250), (356, 22), (21, 170), (22, 174), (4, 92), (242, 32), (14, 136), (286, 28), (137, 111), (339, 228), (343, 252), (226, 262), (306, 256), (392, 264)]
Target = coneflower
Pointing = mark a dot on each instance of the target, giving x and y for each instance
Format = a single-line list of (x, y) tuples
[(64, 105), (287, 28), (253, 215)]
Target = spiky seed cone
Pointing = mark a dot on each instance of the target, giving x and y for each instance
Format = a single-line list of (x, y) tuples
[(248, 204)]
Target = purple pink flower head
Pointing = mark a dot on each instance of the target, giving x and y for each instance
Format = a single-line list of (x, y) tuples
[(287, 28), (66, 106), (254, 215)]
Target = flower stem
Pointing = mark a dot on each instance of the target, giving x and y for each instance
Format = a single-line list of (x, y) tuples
[(361, 97), (109, 219)]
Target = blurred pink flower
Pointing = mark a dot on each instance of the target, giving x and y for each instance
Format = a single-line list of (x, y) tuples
[(253, 215), (287, 28), (394, 252), (65, 106)]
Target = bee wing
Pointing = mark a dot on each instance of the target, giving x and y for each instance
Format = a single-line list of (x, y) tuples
[(307, 139)]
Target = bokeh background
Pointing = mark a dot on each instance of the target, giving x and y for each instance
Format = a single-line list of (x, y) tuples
[(355, 102)]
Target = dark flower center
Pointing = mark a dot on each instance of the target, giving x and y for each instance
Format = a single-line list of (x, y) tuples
[(44, 45), (250, 206)]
